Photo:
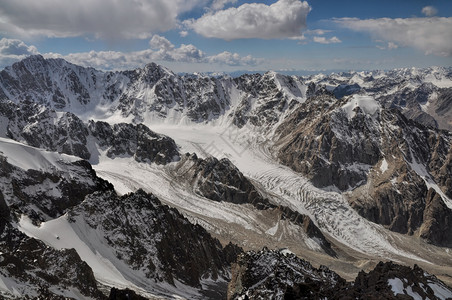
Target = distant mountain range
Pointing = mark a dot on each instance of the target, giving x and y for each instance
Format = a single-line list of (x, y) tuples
[(159, 182)]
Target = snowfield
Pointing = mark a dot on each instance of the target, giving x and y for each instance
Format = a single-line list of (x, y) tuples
[(329, 210), (27, 157)]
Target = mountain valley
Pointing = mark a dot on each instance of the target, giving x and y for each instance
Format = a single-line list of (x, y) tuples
[(157, 182)]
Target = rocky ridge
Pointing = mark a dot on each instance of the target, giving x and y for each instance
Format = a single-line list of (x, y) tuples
[(44, 194), (420, 94), (270, 274), (28, 267), (151, 93), (388, 165), (41, 127), (156, 242), (155, 93)]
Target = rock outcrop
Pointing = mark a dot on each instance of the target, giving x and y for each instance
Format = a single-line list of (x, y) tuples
[(218, 180), (269, 274), (383, 161), (221, 180), (136, 141), (45, 194), (117, 294), (319, 140), (28, 267), (153, 240), (44, 128)]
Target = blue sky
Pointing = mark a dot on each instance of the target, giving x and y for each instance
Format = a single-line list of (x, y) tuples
[(230, 35)]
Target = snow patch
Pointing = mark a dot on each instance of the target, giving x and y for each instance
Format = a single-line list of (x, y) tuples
[(383, 165), (59, 234), (273, 230), (442, 82), (440, 291), (286, 252), (368, 105), (421, 170), (396, 286), (27, 157)]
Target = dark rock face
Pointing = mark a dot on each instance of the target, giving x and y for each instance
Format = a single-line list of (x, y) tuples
[(437, 221), (116, 294), (4, 213), (327, 147), (444, 102), (380, 282), (137, 141), (43, 128), (202, 98), (399, 196), (400, 210), (38, 269), (408, 100), (40, 127), (277, 275), (346, 90), (53, 82), (263, 102), (219, 180), (155, 239), (48, 194)]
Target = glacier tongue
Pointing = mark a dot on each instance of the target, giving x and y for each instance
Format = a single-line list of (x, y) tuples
[(328, 209)]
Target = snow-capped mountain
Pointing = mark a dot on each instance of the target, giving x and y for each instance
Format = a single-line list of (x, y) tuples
[(41, 127), (423, 95), (345, 170), (393, 168), (149, 95), (48, 199)]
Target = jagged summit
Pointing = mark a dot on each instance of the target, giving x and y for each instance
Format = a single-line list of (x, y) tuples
[(155, 93), (344, 170)]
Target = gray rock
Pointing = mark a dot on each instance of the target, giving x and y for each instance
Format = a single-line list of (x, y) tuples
[(270, 274), (156, 239)]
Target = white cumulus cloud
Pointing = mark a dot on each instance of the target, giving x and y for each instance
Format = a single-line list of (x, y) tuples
[(161, 49), (283, 19), (324, 40), (110, 19), (16, 47), (429, 11), (160, 42), (233, 59), (12, 50), (431, 35), (317, 31)]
